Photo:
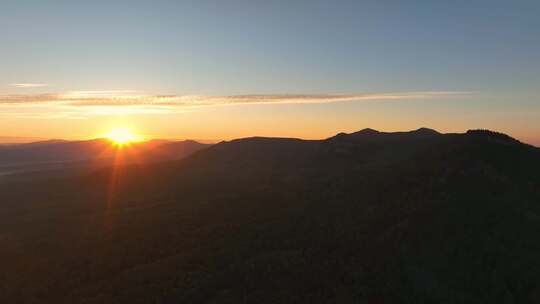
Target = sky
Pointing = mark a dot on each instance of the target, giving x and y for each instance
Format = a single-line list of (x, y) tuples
[(226, 69)]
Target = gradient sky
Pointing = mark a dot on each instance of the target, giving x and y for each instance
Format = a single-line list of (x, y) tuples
[(75, 69)]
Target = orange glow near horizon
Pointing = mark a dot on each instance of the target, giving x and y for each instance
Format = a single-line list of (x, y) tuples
[(299, 121), (122, 136)]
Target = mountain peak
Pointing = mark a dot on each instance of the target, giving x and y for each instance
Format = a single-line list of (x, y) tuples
[(426, 131), (371, 133), (422, 133), (367, 131)]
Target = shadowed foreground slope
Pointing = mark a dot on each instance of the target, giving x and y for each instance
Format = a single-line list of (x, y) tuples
[(368, 217)]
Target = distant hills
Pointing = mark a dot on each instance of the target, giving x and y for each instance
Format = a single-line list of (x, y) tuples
[(63, 155), (18, 139), (365, 217), (62, 150)]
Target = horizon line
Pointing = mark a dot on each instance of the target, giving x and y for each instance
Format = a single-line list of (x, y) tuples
[(146, 138)]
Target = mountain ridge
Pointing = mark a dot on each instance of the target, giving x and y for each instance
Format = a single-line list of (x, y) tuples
[(396, 220)]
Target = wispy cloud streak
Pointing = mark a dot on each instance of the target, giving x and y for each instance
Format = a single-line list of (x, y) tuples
[(86, 104), (128, 98), (21, 99), (28, 85)]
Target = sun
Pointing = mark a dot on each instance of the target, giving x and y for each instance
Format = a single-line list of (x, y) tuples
[(122, 136)]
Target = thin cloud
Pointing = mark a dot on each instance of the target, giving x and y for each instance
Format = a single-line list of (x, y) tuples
[(29, 99), (129, 98), (29, 85)]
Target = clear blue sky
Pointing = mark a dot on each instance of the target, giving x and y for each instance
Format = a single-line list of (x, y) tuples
[(491, 48)]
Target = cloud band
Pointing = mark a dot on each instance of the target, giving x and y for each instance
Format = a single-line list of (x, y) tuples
[(124, 98)]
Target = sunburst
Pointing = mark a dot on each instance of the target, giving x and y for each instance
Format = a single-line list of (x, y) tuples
[(122, 136)]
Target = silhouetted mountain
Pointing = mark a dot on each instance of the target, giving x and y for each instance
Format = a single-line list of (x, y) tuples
[(366, 217), (367, 132), (487, 135)]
